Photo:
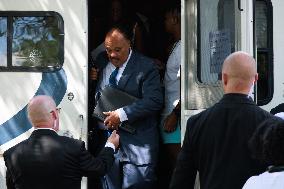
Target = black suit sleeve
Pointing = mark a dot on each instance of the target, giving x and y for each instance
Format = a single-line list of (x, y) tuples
[(9, 180), (185, 170), (99, 166)]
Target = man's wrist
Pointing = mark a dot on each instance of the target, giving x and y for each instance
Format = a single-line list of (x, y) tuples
[(122, 115), (110, 145)]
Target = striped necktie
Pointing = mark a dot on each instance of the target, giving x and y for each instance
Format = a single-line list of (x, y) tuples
[(112, 77)]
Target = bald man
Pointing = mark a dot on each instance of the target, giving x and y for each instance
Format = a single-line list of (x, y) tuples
[(216, 140), (49, 161)]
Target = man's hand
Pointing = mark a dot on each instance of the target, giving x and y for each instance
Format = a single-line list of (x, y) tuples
[(170, 123), (159, 64), (112, 120), (94, 74), (114, 139)]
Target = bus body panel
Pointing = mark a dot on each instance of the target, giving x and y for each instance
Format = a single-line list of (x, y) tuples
[(68, 86)]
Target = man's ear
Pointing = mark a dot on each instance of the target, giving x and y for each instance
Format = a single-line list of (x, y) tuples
[(54, 114), (255, 78), (224, 78)]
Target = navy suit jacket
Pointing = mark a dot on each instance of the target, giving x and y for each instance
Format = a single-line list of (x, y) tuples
[(142, 80), (46, 160)]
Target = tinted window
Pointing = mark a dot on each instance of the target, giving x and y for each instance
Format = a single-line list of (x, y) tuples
[(3, 41), (264, 38), (36, 42), (216, 38)]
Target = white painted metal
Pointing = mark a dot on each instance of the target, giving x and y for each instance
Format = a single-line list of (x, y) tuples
[(244, 41), (246, 35), (17, 88), (189, 82)]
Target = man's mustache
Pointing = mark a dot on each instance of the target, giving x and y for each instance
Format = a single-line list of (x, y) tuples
[(114, 58)]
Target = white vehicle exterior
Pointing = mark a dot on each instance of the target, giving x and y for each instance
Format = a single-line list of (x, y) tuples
[(250, 23), (68, 85), (200, 87)]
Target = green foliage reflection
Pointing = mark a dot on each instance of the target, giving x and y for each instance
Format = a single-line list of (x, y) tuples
[(36, 41)]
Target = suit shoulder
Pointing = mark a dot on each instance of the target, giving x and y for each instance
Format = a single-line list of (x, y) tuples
[(72, 141), (263, 111), (144, 60), (263, 114), (197, 121), (13, 149), (191, 122), (199, 115), (254, 109)]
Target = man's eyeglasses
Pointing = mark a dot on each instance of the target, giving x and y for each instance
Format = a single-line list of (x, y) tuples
[(57, 109)]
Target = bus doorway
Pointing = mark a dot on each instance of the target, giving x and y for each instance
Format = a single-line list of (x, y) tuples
[(150, 39)]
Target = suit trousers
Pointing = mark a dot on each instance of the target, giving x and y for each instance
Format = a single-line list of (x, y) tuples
[(125, 175)]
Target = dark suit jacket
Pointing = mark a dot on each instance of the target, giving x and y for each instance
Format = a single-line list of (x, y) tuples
[(140, 79), (49, 161), (216, 144)]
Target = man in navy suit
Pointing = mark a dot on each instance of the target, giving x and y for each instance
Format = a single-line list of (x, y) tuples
[(136, 75), (49, 161)]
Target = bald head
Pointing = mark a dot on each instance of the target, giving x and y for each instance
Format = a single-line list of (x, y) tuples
[(239, 73), (42, 111)]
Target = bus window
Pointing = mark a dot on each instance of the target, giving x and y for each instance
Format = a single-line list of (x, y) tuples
[(3, 41), (36, 42), (264, 37), (216, 37)]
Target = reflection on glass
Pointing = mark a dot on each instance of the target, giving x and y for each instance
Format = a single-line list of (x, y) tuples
[(261, 24), (3, 41), (262, 82), (216, 37), (35, 42), (264, 52)]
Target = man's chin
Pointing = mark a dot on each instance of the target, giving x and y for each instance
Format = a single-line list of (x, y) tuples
[(115, 63)]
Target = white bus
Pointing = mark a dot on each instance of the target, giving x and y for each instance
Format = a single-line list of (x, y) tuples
[(44, 49)]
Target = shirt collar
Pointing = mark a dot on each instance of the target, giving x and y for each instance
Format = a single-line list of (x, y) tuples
[(44, 129)]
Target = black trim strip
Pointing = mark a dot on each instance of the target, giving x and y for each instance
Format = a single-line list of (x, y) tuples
[(239, 5), (269, 50)]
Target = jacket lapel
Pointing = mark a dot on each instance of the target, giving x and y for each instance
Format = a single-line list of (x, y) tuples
[(128, 71)]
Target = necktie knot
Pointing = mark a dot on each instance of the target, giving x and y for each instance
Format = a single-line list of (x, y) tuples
[(112, 77)]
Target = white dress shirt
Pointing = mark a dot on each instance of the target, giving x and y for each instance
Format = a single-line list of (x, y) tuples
[(266, 180), (105, 81)]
